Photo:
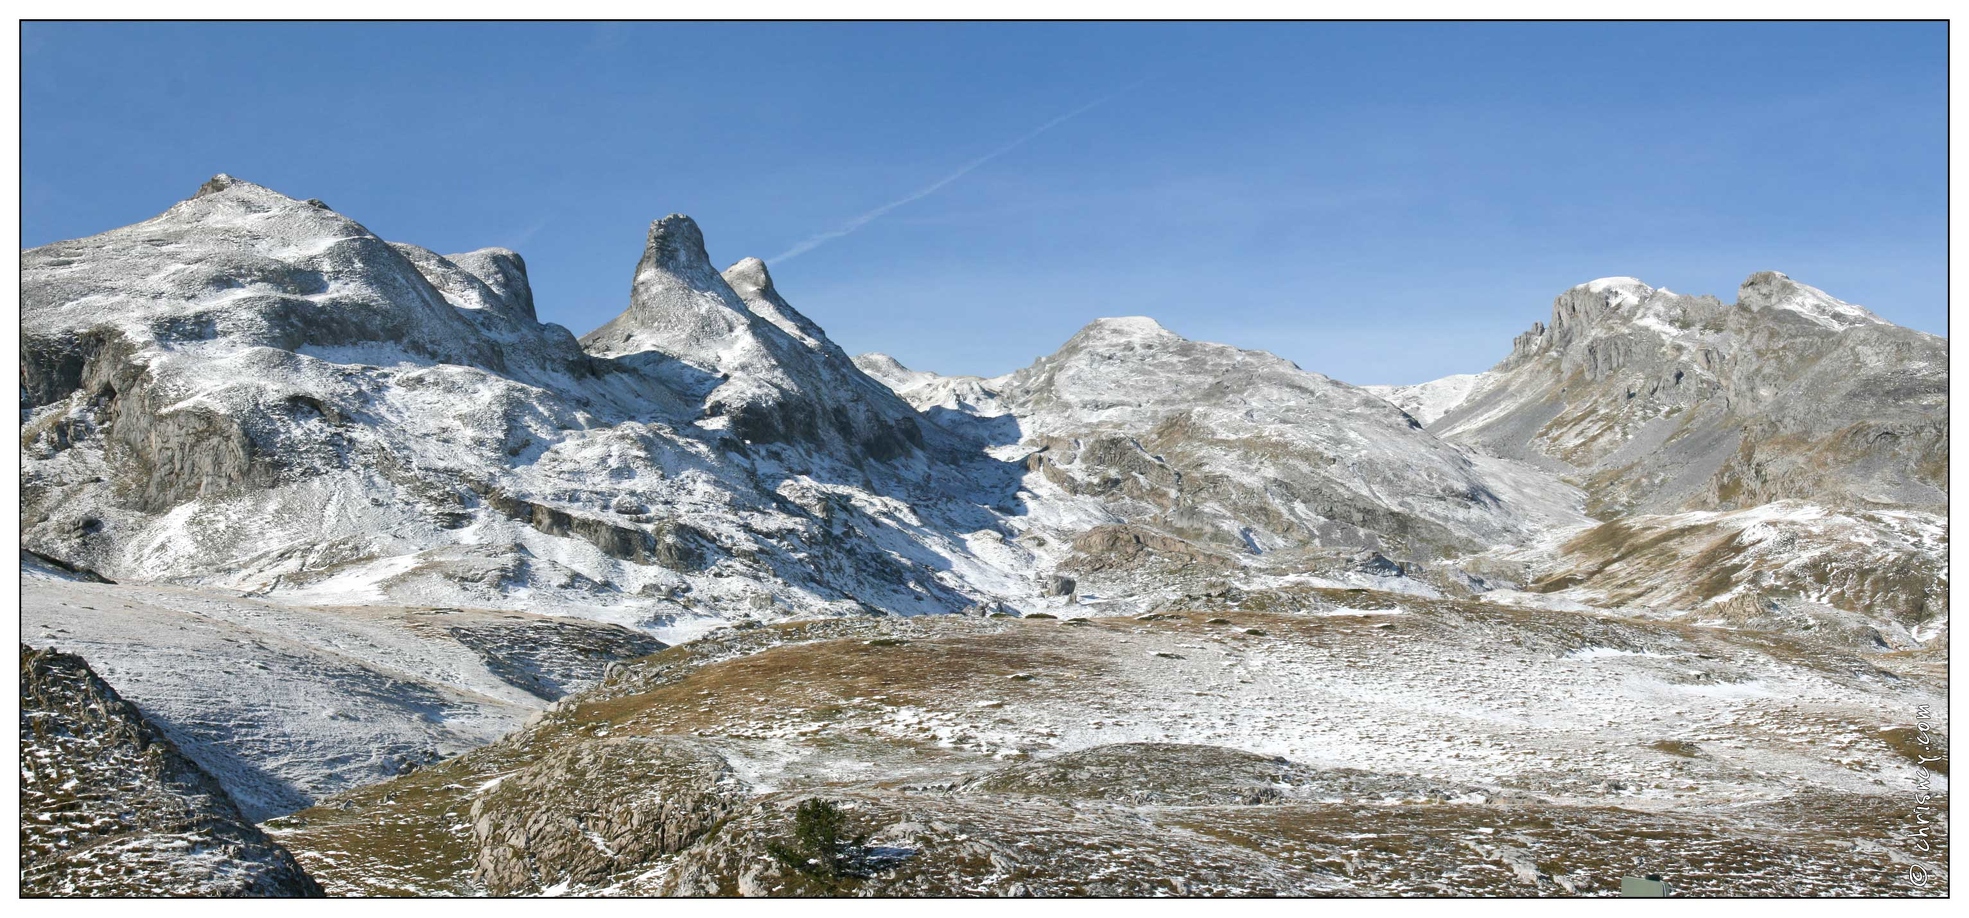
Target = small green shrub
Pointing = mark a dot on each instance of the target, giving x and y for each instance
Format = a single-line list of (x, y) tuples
[(821, 845)]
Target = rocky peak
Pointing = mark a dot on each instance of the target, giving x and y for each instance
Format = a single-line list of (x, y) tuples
[(1667, 402), (223, 193), (674, 245), (214, 185), (503, 271), (678, 304), (1132, 339), (750, 278), (1586, 316), (754, 284), (772, 374), (1766, 291), (1595, 300)]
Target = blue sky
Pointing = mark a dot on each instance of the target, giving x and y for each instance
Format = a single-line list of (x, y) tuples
[(1380, 203)]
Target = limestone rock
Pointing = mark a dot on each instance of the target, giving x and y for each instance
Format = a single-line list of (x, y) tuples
[(110, 807)]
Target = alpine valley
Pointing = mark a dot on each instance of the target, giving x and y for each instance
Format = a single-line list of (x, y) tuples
[(342, 573)]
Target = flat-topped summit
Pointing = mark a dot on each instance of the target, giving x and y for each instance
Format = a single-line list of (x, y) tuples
[(675, 243), (1124, 328)]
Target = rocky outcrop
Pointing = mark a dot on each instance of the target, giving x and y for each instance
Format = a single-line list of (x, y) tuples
[(595, 810), (674, 545), (503, 272), (754, 285), (1123, 547), (110, 807), (549, 659)]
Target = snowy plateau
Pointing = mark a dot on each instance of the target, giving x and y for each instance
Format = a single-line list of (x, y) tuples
[(343, 573)]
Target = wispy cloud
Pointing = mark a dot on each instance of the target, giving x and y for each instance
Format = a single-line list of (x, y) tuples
[(816, 241), (515, 240)]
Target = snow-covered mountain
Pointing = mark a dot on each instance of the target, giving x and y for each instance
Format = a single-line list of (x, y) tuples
[(933, 394), (331, 507), (254, 392), (1242, 454), (1780, 461), (1655, 401)]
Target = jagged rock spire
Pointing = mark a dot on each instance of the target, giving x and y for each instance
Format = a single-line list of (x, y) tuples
[(677, 304)]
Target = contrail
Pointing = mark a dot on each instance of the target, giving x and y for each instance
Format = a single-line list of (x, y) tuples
[(816, 241)]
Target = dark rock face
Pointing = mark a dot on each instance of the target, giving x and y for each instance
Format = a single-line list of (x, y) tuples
[(677, 546), (109, 807), (549, 659)]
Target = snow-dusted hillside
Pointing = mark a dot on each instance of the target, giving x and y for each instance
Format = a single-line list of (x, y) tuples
[(288, 703), (1340, 742), (110, 808), (1244, 453), (1430, 400), (1864, 579)]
